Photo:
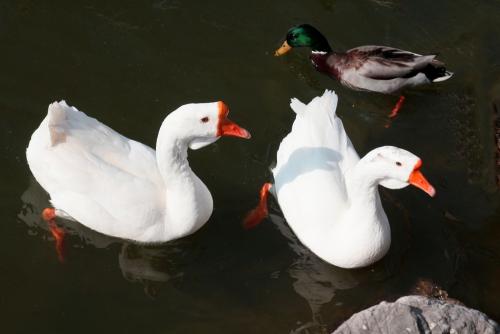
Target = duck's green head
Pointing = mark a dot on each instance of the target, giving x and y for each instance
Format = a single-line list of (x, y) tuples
[(304, 35)]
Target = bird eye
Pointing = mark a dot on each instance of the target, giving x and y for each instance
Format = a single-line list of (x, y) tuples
[(204, 119), (398, 163)]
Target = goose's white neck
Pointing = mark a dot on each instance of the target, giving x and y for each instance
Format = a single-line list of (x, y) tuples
[(188, 203), (171, 155), (364, 230), (362, 186), (362, 191)]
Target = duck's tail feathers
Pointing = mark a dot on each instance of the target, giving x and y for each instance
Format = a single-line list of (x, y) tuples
[(446, 76), (57, 116), (436, 71)]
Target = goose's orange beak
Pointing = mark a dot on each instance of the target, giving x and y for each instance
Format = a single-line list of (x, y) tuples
[(283, 49), (418, 180), (227, 127)]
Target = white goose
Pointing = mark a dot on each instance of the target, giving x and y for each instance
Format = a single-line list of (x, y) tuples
[(328, 195), (120, 187)]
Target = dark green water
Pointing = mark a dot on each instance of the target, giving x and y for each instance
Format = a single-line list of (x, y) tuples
[(129, 63)]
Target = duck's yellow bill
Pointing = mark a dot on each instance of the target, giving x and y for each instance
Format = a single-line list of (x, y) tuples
[(283, 49)]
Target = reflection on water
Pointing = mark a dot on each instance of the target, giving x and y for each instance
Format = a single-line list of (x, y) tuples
[(315, 280), (150, 266), (35, 199), (153, 266), (127, 62)]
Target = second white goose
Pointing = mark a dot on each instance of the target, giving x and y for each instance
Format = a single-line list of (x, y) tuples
[(328, 195)]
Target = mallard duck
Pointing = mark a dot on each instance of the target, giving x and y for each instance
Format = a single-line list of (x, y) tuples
[(328, 195), (120, 187), (381, 69)]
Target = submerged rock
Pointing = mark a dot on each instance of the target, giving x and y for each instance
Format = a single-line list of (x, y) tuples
[(418, 314)]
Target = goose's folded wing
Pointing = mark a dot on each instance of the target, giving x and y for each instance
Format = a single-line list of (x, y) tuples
[(71, 129), (317, 142), (124, 197)]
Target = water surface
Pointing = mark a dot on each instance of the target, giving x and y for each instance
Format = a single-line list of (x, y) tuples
[(129, 63)]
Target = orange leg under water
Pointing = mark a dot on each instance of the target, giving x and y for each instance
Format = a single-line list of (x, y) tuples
[(397, 107), (49, 215), (258, 214)]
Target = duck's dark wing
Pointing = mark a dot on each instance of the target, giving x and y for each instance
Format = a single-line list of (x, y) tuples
[(385, 63)]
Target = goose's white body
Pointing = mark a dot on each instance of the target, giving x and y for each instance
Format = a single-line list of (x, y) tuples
[(326, 196), (115, 185)]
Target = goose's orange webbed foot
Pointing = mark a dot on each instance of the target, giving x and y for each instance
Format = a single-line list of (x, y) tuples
[(49, 215), (258, 214)]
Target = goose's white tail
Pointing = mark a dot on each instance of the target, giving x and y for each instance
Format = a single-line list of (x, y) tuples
[(57, 116), (317, 126), (319, 114), (326, 103), (297, 106)]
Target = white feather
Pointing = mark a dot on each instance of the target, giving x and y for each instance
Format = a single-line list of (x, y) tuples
[(445, 77)]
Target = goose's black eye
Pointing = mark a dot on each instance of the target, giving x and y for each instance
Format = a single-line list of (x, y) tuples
[(204, 119), (398, 163)]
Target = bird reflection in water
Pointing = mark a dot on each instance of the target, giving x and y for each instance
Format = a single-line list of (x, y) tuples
[(315, 280), (147, 265), (35, 199)]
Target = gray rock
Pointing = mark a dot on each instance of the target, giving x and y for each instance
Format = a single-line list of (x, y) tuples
[(418, 314)]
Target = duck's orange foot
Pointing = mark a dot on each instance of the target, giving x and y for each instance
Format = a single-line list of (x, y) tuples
[(258, 214), (397, 107), (49, 215)]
